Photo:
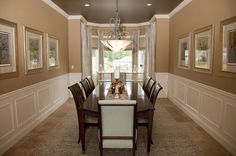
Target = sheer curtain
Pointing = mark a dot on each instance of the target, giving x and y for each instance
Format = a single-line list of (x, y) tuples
[(149, 68), (86, 50)]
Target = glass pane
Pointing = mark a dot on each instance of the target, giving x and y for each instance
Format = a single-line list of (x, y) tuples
[(122, 59), (95, 59)]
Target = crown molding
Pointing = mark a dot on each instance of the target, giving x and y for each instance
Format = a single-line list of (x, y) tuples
[(71, 17), (56, 8), (123, 24), (179, 7)]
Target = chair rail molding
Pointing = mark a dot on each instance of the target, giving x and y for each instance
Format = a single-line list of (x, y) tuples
[(23, 109), (211, 108)]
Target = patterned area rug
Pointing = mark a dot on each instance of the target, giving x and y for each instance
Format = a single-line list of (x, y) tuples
[(168, 138)]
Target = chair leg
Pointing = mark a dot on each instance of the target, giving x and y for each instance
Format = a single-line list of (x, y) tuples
[(134, 151), (79, 139)]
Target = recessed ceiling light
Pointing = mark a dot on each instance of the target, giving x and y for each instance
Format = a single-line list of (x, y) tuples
[(87, 5), (149, 4)]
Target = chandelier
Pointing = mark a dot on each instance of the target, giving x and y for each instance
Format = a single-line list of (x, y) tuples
[(116, 39)]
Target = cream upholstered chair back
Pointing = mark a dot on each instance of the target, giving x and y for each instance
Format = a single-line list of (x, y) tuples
[(117, 123)]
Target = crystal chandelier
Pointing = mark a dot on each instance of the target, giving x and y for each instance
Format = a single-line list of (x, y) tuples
[(116, 39)]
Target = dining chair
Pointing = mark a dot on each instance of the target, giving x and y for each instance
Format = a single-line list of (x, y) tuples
[(150, 86), (154, 93), (91, 83), (86, 86), (145, 83), (144, 121), (78, 99), (117, 124)]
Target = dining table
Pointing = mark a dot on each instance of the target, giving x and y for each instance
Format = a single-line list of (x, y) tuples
[(132, 91)]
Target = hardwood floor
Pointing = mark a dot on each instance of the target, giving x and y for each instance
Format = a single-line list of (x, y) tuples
[(174, 134)]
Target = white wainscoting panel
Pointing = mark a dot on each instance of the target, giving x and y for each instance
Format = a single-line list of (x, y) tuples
[(211, 108), (162, 78), (44, 98), (23, 109), (6, 120), (192, 99)]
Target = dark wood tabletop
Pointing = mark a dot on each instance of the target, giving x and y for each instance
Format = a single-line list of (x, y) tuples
[(134, 92)]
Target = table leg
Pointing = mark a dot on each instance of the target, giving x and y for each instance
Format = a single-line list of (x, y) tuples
[(82, 130), (150, 124)]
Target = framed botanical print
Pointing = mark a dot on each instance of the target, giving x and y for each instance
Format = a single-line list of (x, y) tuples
[(33, 49), (52, 52), (203, 49), (8, 49), (184, 51), (228, 39)]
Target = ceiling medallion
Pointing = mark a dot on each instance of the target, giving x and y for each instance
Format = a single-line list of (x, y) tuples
[(116, 40)]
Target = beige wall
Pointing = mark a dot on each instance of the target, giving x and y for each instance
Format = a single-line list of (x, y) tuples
[(37, 15), (74, 46), (162, 45), (201, 13)]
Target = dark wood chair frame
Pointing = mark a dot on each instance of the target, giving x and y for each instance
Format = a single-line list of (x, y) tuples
[(153, 97), (150, 85), (85, 83), (91, 83), (145, 83), (117, 137), (78, 99)]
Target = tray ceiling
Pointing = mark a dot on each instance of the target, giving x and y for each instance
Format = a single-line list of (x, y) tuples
[(130, 11)]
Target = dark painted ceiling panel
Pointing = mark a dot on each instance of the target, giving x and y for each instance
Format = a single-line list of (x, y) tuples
[(130, 11)]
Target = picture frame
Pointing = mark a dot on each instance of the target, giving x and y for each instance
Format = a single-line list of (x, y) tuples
[(52, 52), (203, 49), (184, 51), (228, 45), (33, 50), (8, 49)]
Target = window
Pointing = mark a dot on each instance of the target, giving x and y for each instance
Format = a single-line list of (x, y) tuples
[(122, 59)]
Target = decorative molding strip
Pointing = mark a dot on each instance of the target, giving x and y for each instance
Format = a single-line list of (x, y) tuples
[(179, 7), (161, 16), (56, 8), (209, 112), (123, 24), (75, 17)]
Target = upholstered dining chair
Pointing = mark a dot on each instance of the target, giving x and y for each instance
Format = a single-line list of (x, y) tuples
[(91, 83), (78, 99), (150, 86), (117, 124), (86, 86), (145, 83)]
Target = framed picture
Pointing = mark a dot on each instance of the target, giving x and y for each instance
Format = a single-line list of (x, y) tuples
[(203, 49), (228, 39), (8, 49), (184, 51), (33, 49), (52, 52)]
